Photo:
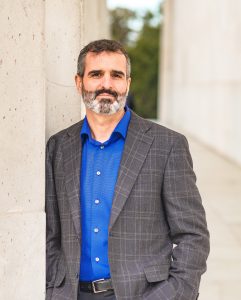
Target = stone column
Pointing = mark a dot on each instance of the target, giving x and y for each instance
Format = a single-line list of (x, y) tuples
[(165, 67), (40, 43), (69, 26), (64, 38), (22, 144), (95, 12)]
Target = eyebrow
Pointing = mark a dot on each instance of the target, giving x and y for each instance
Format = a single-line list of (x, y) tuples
[(94, 72), (112, 71)]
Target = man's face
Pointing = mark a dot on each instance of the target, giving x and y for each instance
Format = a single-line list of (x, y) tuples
[(104, 85)]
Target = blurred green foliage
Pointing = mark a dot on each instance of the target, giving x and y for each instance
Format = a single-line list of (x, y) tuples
[(143, 49), (120, 28)]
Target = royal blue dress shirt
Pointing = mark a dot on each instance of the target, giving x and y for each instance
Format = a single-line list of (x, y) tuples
[(99, 171)]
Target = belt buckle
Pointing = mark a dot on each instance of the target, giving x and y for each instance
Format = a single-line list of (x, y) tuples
[(93, 286)]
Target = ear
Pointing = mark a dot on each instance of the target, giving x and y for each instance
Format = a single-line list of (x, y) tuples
[(128, 83), (78, 83)]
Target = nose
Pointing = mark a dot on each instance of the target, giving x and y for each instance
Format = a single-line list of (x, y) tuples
[(106, 82)]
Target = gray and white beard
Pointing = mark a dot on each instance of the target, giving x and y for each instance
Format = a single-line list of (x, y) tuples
[(104, 105)]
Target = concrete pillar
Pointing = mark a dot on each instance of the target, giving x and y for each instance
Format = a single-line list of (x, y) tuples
[(64, 38), (22, 143), (202, 72), (69, 26), (165, 66), (95, 12), (40, 43)]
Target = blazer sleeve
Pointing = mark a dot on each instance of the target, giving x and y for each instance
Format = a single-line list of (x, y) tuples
[(188, 229), (53, 229)]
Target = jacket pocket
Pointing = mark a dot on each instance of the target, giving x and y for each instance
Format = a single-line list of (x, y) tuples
[(157, 272)]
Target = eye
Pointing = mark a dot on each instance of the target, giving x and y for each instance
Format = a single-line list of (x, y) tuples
[(117, 75), (95, 74)]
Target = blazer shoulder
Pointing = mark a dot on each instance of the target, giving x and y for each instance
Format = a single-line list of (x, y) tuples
[(71, 130), (158, 131), (59, 137)]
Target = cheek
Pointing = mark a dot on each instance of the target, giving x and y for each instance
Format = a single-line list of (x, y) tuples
[(121, 87), (90, 85)]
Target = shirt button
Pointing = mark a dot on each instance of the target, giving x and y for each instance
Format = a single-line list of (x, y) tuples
[(97, 259), (97, 201), (96, 230), (102, 147), (98, 173)]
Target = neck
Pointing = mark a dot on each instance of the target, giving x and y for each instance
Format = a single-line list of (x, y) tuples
[(102, 126)]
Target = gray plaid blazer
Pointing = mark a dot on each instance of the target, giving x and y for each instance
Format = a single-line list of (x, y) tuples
[(158, 237)]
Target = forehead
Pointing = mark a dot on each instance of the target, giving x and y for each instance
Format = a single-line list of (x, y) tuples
[(105, 61)]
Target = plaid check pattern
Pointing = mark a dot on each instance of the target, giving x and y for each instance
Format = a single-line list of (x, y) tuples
[(156, 205)]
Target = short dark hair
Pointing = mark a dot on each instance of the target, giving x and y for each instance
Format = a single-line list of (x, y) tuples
[(101, 46)]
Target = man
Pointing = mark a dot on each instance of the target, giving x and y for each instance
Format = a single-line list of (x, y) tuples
[(124, 216)]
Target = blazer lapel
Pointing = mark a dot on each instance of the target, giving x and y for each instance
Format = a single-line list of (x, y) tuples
[(72, 148), (136, 148)]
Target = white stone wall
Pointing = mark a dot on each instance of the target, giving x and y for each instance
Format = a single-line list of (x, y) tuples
[(96, 24), (63, 26), (22, 143), (40, 43), (201, 72), (69, 26)]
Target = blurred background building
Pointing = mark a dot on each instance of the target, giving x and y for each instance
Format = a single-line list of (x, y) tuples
[(201, 82), (186, 74)]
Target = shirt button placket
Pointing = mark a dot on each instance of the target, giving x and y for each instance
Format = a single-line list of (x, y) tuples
[(96, 229)]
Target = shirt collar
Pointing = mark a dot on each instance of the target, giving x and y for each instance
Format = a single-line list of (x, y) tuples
[(121, 127), (85, 130)]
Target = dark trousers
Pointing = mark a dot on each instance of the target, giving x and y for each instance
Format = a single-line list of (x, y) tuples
[(109, 295)]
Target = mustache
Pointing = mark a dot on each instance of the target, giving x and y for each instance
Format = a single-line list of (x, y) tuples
[(106, 91)]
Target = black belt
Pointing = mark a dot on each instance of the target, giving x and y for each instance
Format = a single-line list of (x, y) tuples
[(97, 286)]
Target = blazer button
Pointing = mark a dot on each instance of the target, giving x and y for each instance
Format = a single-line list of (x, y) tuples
[(77, 275)]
